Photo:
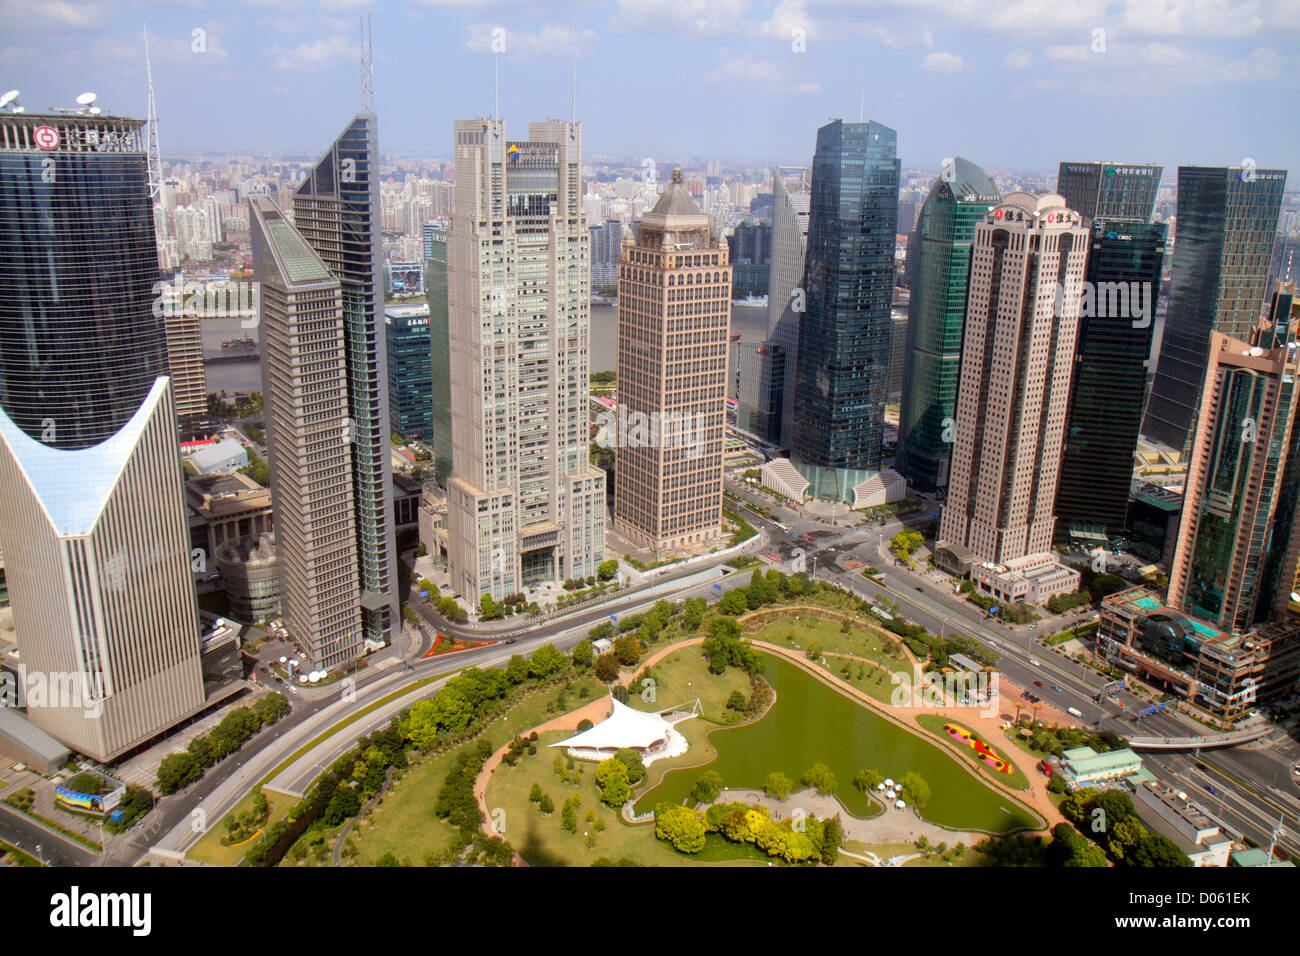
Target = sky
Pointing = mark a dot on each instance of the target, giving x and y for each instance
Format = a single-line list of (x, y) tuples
[(1009, 84)]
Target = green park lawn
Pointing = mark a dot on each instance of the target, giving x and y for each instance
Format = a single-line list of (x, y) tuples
[(859, 641), (209, 848), (934, 724)]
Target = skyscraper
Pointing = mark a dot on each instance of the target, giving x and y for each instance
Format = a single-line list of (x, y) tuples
[(938, 267), (524, 506), (842, 366), (1110, 374), (1237, 543), (336, 210), (1227, 221), (784, 307), (309, 439), (410, 370), (674, 322), (435, 293), (1110, 190), (93, 531), (1022, 313)]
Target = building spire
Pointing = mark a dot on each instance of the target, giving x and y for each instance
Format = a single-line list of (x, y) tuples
[(154, 157), (367, 65)]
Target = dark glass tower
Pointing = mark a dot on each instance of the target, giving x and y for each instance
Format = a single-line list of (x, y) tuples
[(410, 371), (1110, 190), (336, 210), (937, 268), (80, 346), (435, 293), (1227, 221), (1110, 369), (842, 369)]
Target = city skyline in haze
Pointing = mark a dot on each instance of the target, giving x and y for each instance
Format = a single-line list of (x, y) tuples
[(1016, 86)]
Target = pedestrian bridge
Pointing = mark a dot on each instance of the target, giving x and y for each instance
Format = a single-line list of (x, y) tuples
[(1229, 739)]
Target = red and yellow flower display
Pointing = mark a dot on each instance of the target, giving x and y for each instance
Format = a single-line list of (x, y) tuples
[(984, 751)]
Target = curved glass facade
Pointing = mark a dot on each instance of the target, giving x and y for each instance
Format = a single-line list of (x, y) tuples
[(80, 346)]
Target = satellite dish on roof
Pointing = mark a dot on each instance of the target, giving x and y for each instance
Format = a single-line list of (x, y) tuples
[(86, 99), (94, 111), (8, 98)]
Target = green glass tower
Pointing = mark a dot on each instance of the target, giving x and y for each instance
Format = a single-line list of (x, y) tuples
[(435, 293), (938, 267)]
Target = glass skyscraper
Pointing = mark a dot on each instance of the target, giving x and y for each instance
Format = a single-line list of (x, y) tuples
[(842, 369), (336, 210), (1227, 222), (410, 370), (938, 268), (1110, 190), (435, 293)]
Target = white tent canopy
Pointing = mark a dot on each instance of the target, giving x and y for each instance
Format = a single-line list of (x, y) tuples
[(624, 727)]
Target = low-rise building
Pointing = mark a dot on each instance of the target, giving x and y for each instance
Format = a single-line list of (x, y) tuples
[(226, 455), (1186, 824), (251, 573), (1084, 767), (226, 509), (1029, 580)]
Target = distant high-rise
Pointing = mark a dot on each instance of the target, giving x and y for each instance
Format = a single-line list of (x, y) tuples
[(842, 365), (410, 370), (938, 268), (1237, 542), (185, 363), (1227, 220), (1110, 190), (336, 210), (524, 504), (674, 322), (309, 438), (785, 306), (435, 293), (92, 508), (1022, 312)]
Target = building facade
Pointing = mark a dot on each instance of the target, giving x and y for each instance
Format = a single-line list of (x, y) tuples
[(309, 432), (94, 533), (1227, 222), (435, 294), (408, 336), (938, 268), (1022, 315), (674, 323), (785, 305), (842, 365), (525, 506), (1110, 190), (336, 211)]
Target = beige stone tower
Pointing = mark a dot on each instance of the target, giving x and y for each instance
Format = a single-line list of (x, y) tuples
[(674, 320)]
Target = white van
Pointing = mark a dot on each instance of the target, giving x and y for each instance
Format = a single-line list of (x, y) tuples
[(1074, 711)]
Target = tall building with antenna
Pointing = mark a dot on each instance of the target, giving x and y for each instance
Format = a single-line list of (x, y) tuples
[(525, 506), (94, 532)]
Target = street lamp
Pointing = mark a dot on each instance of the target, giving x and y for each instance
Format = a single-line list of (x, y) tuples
[(40, 854)]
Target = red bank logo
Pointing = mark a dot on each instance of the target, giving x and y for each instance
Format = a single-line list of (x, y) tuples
[(46, 137)]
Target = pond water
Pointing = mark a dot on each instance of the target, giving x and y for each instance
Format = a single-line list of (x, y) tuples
[(811, 723)]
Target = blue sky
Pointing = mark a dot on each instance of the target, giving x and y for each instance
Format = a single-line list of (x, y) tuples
[(1007, 83)]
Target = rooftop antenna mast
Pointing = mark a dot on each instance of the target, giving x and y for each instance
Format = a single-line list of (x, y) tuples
[(151, 119), (496, 84), (367, 65), (573, 96), (862, 99)]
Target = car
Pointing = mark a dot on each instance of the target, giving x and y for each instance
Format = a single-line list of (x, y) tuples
[(512, 640), (1035, 662), (1120, 702), (1038, 683), (1211, 790), (1033, 627), (1057, 688)]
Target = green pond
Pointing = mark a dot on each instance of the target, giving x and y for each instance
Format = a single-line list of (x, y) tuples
[(812, 723)]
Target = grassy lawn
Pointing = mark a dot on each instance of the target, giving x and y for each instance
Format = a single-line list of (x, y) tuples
[(543, 841), (1016, 778), (209, 848), (404, 822), (886, 850), (859, 641), (683, 676), (875, 682)]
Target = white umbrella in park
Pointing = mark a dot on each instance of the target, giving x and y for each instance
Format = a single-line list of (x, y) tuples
[(889, 783), (880, 787), (900, 804)]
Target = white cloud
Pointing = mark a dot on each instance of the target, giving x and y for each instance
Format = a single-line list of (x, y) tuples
[(691, 17), (942, 62), (1069, 54), (789, 16), (549, 41), (319, 55), (745, 74), (1017, 60)]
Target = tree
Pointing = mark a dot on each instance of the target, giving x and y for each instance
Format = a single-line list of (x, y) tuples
[(693, 612), (736, 701), (546, 804), (632, 760), (628, 650), (778, 786), (175, 771), (517, 669), (601, 630), (546, 661), (607, 668), (345, 803), (583, 656), (607, 569), (905, 543), (832, 836), (915, 790), (734, 602), (680, 826), (867, 780), (707, 787), (611, 779), (489, 608), (1156, 849), (820, 776), (535, 794), (569, 813)]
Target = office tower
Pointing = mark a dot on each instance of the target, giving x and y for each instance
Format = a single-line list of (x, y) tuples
[(336, 210), (309, 439), (525, 506), (1022, 312), (674, 322), (435, 294), (93, 524), (750, 247), (757, 373), (606, 250), (410, 370), (1110, 190), (185, 364), (1227, 218), (938, 264), (1110, 374), (1286, 259), (1237, 545), (785, 307), (842, 365)]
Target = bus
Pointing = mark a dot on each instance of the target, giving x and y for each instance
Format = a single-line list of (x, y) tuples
[(881, 613)]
